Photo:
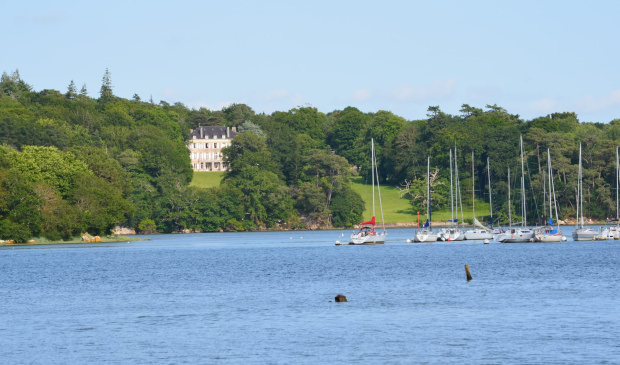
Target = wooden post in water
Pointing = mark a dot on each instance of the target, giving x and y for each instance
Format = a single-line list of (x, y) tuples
[(467, 273)]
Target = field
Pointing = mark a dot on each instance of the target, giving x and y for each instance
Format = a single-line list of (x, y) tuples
[(207, 179), (397, 210)]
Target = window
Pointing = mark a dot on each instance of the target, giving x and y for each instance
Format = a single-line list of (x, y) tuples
[(217, 165), (206, 145), (215, 145)]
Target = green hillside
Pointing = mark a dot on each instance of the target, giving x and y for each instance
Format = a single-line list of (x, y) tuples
[(397, 210), (207, 179)]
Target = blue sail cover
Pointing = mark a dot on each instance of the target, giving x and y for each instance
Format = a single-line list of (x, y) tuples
[(550, 221), (426, 224)]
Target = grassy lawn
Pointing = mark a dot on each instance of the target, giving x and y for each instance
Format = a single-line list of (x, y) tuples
[(397, 210), (207, 179)]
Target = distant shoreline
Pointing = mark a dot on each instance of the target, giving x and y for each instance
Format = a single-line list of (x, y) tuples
[(77, 241)]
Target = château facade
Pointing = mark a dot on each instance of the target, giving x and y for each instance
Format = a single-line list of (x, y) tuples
[(205, 147)]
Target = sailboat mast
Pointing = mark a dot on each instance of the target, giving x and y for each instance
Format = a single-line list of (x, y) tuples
[(376, 168), (372, 163), (451, 192), (490, 199), (579, 198), (473, 186), (524, 223), (550, 190), (617, 178), (428, 191), (459, 199), (509, 210), (552, 187)]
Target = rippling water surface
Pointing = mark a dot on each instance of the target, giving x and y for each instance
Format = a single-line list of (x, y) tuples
[(269, 298)]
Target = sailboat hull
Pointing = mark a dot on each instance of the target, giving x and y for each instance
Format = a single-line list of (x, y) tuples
[(542, 237), (585, 234), (516, 236), (451, 234), (367, 239), (425, 235), (478, 234)]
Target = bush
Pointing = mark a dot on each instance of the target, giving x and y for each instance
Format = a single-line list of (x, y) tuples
[(14, 231)]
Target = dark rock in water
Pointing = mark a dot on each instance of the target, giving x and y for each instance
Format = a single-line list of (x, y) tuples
[(340, 298)]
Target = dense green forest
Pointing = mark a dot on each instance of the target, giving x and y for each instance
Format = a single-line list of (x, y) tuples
[(71, 163)]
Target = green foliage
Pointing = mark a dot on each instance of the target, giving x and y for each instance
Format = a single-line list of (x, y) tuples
[(70, 163), (147, 226)]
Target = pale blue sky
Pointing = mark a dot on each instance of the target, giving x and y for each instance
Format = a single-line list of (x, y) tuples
[(530, 57)]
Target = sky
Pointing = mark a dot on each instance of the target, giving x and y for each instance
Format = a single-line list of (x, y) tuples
[(532, 58)]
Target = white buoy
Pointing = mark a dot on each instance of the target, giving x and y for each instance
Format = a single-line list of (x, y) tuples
[(564, 238), (337, 242), (408, 240), (486, 241)]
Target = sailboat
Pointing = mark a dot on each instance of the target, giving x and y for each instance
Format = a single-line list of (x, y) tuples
[(613, 232), (522, 234), (549, 233), (479, 232), (367, 235), (426, 234), (452, 233), (582, 233)]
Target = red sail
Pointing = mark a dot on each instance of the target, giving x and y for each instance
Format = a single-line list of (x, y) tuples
[(370, 222)]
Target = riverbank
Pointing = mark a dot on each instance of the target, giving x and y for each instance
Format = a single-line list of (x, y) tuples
[(74, 240)]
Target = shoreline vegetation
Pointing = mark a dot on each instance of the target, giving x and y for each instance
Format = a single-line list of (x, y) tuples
[(74, 240)]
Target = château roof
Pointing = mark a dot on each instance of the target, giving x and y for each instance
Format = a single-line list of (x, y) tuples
[(213, 132)]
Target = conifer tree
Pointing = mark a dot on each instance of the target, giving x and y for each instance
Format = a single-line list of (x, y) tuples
[(71, 91), (106, 87)]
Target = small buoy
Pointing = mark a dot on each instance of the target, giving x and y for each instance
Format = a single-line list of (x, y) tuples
[(564, 238), (486, 241), (337, 242), (408, 240)]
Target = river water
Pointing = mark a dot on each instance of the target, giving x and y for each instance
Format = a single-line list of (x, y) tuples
[(259, 298)]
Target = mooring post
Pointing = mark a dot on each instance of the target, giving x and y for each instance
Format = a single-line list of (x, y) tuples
[(467, 273), (340, 298)]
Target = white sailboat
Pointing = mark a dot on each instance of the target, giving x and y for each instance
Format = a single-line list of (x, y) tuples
[(582, 233), (426, 234), (522, 234), (479, 232), (549, 233), (452, 233), (367, 235)]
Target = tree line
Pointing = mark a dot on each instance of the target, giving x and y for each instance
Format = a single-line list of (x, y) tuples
[(71, 163)]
